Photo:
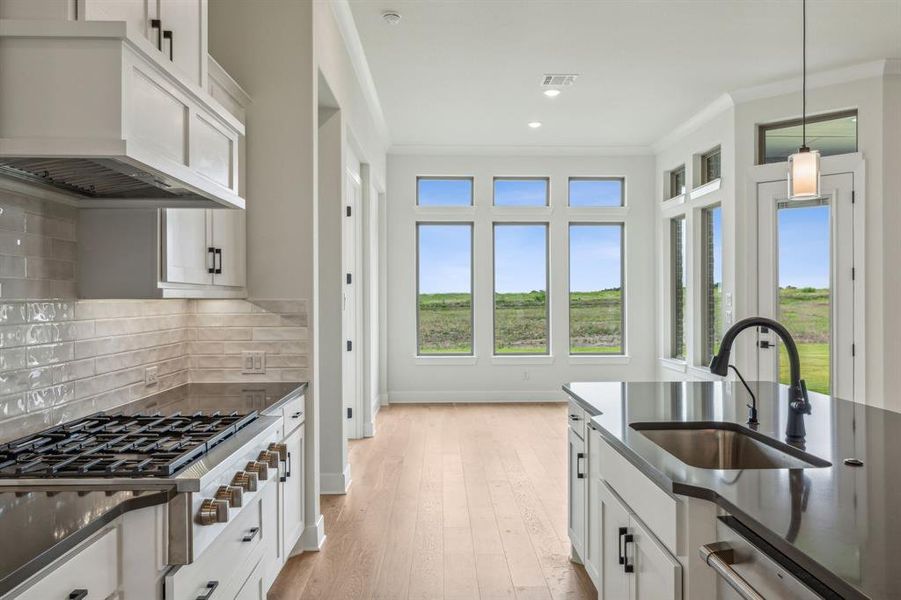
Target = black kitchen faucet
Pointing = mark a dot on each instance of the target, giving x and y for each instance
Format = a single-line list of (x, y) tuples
[(798, 403)]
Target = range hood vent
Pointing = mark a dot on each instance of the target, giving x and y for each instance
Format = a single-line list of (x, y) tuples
[(93, 178)]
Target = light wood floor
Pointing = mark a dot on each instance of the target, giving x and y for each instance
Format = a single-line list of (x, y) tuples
[(456, 502)]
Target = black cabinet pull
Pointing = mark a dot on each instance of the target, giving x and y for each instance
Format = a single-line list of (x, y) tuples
[(78, 594), (619, 545), (210, 588), (158, 25), (168, 35), (218, 254), (296, 415), (575, 418), (627, 539), (288, 466), (579, 472), (212, 252), (250, 534)]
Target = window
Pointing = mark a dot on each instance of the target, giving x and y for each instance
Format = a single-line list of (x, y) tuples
[(712, 279), (677, 287), (587, 191), (676, 182), (710, 166), (444, 288), (521, 192), (520, 289), (831, 134), (596, 288), (444, 191)]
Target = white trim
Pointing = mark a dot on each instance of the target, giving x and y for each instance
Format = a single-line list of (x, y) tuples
[(673, 364), (335, 483), (353, 44), (522, 359), (599, 359), (694, 122), (702, 373), (707, 188), (478, 397), (518, 151), (313, 536), (446, 360), (673, 203)]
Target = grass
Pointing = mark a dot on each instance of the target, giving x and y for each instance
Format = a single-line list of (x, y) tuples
[(805, 312)]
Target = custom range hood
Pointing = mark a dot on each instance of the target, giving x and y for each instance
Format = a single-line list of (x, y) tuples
[(94, 115)]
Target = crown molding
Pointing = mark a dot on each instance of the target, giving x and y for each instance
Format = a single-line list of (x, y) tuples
[(516, 151), (347, 26), (705, 115)]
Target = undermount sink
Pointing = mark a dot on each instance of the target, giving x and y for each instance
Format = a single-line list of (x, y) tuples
[(725, 446)]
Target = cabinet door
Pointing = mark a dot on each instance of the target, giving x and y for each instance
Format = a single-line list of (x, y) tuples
[(292, 517), (186, 257), (229, 241), (657, 575), (254, 587), (577, 478), (593, 553), (93, 568), (186, 19), (614, 524)]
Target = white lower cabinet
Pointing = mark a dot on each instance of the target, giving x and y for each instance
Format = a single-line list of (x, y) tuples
[(576, 501), (593, 550), (255, 587), (613, 526), (292, 524)]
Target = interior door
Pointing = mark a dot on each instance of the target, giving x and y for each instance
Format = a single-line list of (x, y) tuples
[(351, 379), (229, 240), (806, 282), (186, 254)]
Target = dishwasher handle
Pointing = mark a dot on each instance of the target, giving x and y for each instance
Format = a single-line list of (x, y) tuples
[(720, 557)]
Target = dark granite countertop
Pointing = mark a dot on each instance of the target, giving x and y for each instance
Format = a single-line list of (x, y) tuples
[(39, 527), (840, 523)]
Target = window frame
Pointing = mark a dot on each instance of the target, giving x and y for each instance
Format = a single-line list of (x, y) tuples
[(472, 191), (622, 192), (547, 285), (622, 277), (763, 128), (671, 192), (547, 192), (472, 288), (705, 161), (675, 323)]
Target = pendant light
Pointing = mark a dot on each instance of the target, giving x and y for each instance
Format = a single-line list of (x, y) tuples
[(804, 165)]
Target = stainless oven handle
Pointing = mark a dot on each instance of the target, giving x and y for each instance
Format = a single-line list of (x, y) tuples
[(720, 557)]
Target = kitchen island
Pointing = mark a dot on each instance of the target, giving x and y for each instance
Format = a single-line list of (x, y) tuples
[(837, 522)]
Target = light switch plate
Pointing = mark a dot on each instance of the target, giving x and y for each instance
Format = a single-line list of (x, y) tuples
[(253, 362), (151, 376)]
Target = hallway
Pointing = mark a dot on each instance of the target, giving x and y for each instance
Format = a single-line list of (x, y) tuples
[(460, 502)]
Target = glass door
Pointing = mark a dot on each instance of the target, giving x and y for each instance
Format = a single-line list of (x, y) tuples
[(806, 283)]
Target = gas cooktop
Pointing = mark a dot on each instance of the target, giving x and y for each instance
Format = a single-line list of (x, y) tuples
[(117, 445)]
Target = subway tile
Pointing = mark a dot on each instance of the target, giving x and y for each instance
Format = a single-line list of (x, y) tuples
[(62, 249), (284, 347), (12, 266), (286, 360), (50, 227), (12, 358), (12, 336), (36, 245), (39, 377), (12, 405), (49, 397), (72, 370), (204, 306), (63, 289), (12, 217), (47, 333), (49, 268), (124, 360), (12, 382), (279, 333), (209, 334), (50, 354), (237, 320), (13, 312), (281, 306), (40, 312), (23, 289)]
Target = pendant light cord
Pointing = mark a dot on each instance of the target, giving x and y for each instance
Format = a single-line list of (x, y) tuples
[(803, 74)]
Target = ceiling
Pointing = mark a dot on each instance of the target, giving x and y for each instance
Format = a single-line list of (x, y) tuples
[(467, 73)]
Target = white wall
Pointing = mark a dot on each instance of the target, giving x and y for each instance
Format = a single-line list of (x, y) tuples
[(487, 378)]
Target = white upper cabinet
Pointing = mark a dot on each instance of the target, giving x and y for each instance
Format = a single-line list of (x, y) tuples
[(228, 243), (139, 14), (186, 256), (183, 24)]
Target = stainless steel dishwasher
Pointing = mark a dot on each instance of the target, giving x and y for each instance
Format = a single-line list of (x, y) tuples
[(749, 569)]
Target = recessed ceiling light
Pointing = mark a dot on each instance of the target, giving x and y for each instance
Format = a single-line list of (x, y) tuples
[(535, 124), (392, 17), (551, 93)]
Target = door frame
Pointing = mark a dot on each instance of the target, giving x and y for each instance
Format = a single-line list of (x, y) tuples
[(855, 165), (354, 426)]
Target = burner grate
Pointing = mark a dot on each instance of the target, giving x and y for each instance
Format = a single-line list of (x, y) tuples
[(117, 445)]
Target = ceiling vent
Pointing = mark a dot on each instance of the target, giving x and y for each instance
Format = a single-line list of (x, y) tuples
[(558, 80)]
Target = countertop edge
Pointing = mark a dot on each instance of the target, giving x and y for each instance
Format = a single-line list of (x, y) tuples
[(297, 392), (677, 488), (55, 552)]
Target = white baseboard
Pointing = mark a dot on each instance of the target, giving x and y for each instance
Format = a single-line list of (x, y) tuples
[(335, 483), (478, 397), (313, 536), (369, 430), (384, 399)]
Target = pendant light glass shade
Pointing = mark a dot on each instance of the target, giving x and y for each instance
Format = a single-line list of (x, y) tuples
[(804, 174)]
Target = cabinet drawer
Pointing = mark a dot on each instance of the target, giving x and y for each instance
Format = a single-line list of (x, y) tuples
[(292, 413), (652, 505), (577, 419), (227, 559), (94, 568)]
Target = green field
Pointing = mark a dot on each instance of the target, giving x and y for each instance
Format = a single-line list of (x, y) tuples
[(805, 312)]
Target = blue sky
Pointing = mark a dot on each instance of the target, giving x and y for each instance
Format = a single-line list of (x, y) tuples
[(804, 247), (520, 192), (520, 263), (594, 257), (444, 259), (444, 192)]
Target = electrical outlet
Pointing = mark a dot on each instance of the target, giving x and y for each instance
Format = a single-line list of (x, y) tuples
[(525, 375), (151, 376), (253, 362)]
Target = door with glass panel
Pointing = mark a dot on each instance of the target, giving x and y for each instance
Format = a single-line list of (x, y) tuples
[(805, 270)]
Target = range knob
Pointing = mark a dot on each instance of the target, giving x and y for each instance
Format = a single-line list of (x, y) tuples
[(246, 481), (213, 511), (280, 449), (260, 468), (270, 458), (232, 494)]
